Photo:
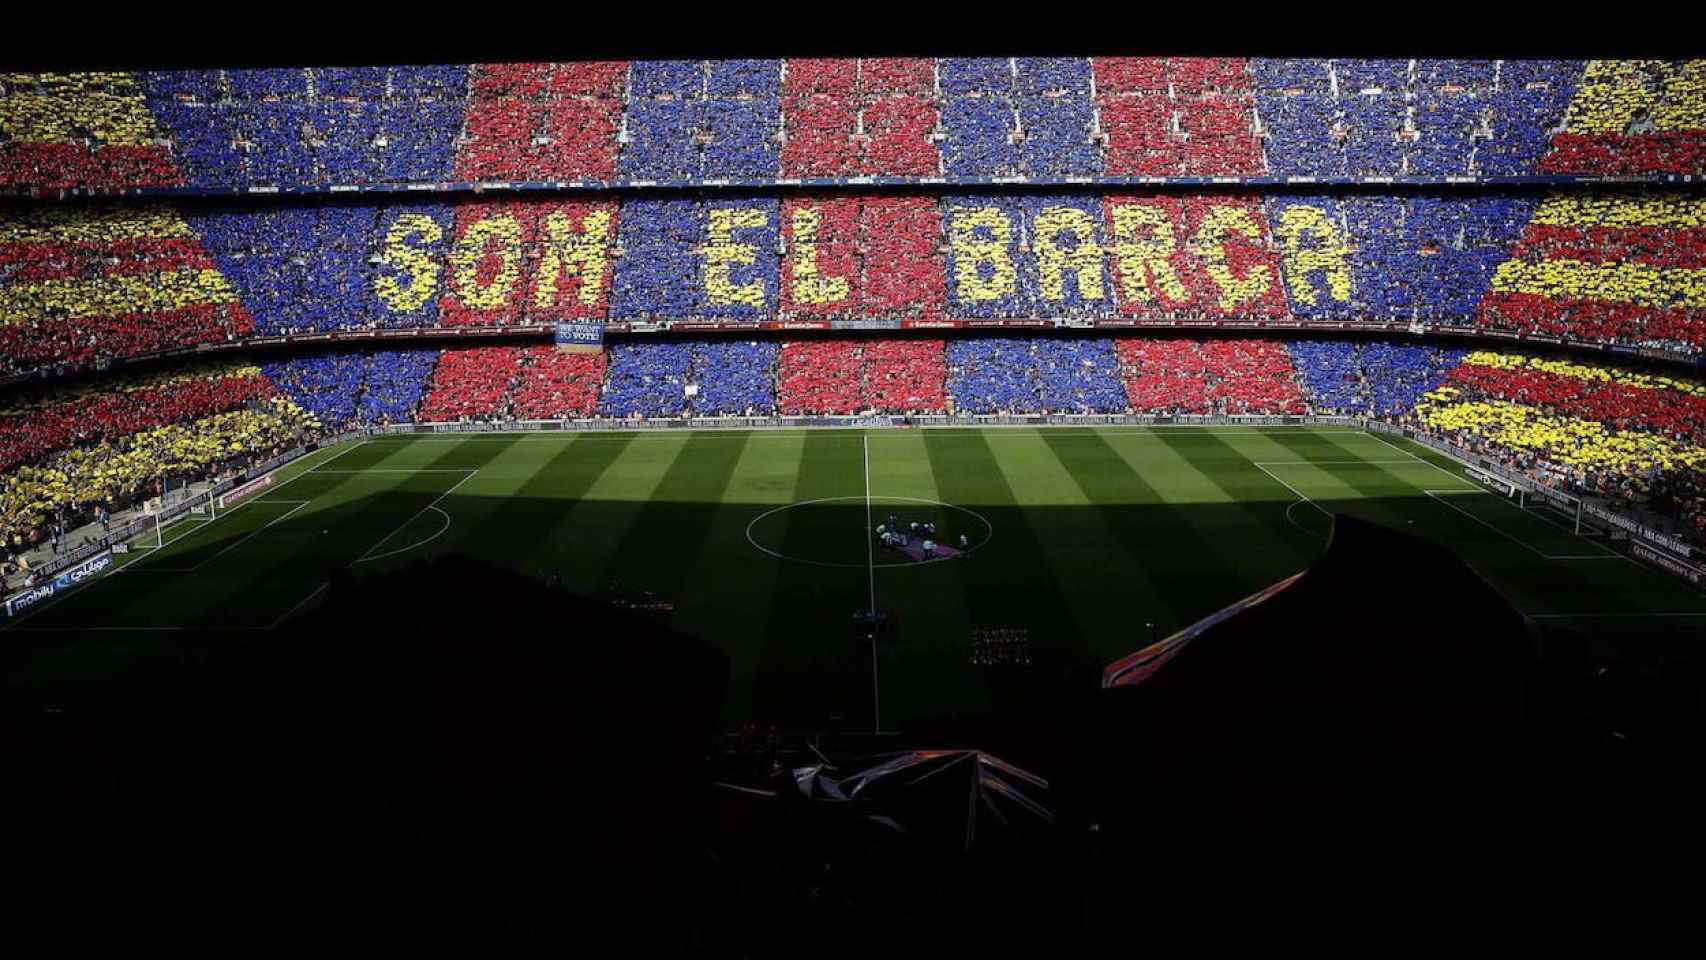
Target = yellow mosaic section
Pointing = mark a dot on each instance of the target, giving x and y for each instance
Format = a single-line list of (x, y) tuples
[(1615, 93), (1622, 282), (91, 474), (113, 296), (1622, 210), (1584, 444), (1582, 371), (1618, 281), (70, 223), (72, 107)]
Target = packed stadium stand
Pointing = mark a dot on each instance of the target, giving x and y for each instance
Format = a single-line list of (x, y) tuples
[(687, 120), (92, 282), (948, 208)]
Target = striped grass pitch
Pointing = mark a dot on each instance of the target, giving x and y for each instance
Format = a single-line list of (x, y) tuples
[(762, 540)]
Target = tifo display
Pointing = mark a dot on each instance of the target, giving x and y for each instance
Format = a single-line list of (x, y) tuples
[(88, 283), (764, 120)]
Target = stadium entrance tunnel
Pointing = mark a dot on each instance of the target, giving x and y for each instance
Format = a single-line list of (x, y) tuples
[(841, 531)]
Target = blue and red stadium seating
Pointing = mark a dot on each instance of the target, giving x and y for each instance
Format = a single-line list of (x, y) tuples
[(769, 119), (913, 226)]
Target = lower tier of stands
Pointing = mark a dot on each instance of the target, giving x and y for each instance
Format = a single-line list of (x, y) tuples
[(1600, 429), (64, 489)]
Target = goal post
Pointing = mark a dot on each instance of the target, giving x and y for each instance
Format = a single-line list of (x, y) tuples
[(1567, 509)]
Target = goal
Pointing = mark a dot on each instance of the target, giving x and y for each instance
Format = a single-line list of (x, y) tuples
[(1560, 509)]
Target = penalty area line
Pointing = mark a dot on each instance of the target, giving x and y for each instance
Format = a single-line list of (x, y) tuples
[(1301, 498), (472, 473)]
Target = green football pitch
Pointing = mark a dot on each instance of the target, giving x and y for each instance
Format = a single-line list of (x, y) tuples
[(1078, 538)]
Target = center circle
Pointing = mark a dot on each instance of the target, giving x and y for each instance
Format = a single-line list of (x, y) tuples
[(838, 531)]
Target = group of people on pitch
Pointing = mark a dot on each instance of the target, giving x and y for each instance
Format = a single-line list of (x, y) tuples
[(892, 534)]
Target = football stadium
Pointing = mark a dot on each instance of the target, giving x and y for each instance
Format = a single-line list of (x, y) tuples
[(939, 463)]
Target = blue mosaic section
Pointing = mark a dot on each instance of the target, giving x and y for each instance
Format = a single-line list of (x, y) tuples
[(306, 127), (992, 374), (661, 144), (1378, 118), (646, 380), (1376, 378), (381, 386), (734, 378), (979, 136), (1080, 376), (657, 274), (396, 382), (691, 378), (324, 385)]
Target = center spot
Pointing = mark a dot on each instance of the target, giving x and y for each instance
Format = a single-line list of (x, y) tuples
[(838, 531)]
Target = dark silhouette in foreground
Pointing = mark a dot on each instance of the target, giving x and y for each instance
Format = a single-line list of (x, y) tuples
[(458, 759)]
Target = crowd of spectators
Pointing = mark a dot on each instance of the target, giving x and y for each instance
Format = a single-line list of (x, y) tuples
[(1397, 117), (691, 378), (838, 377), (87, 282), (1672, 407), (1609, 267), (557, 384), (1371, 378), (980, 117), (395, 382), (990, 375), (714, 256), (862, 255), (314, 268), (1664, 97), (1171, 376), (61, 130), (848, 117), (346, 388), (542, 121), (645, 380), (1177, 116), (1598, 430), (67, 487), (41, 420), (80, 284), (472, 383), (306, 127)]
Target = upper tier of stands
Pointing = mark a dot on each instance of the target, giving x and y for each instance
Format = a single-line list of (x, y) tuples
[(895, 120)]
